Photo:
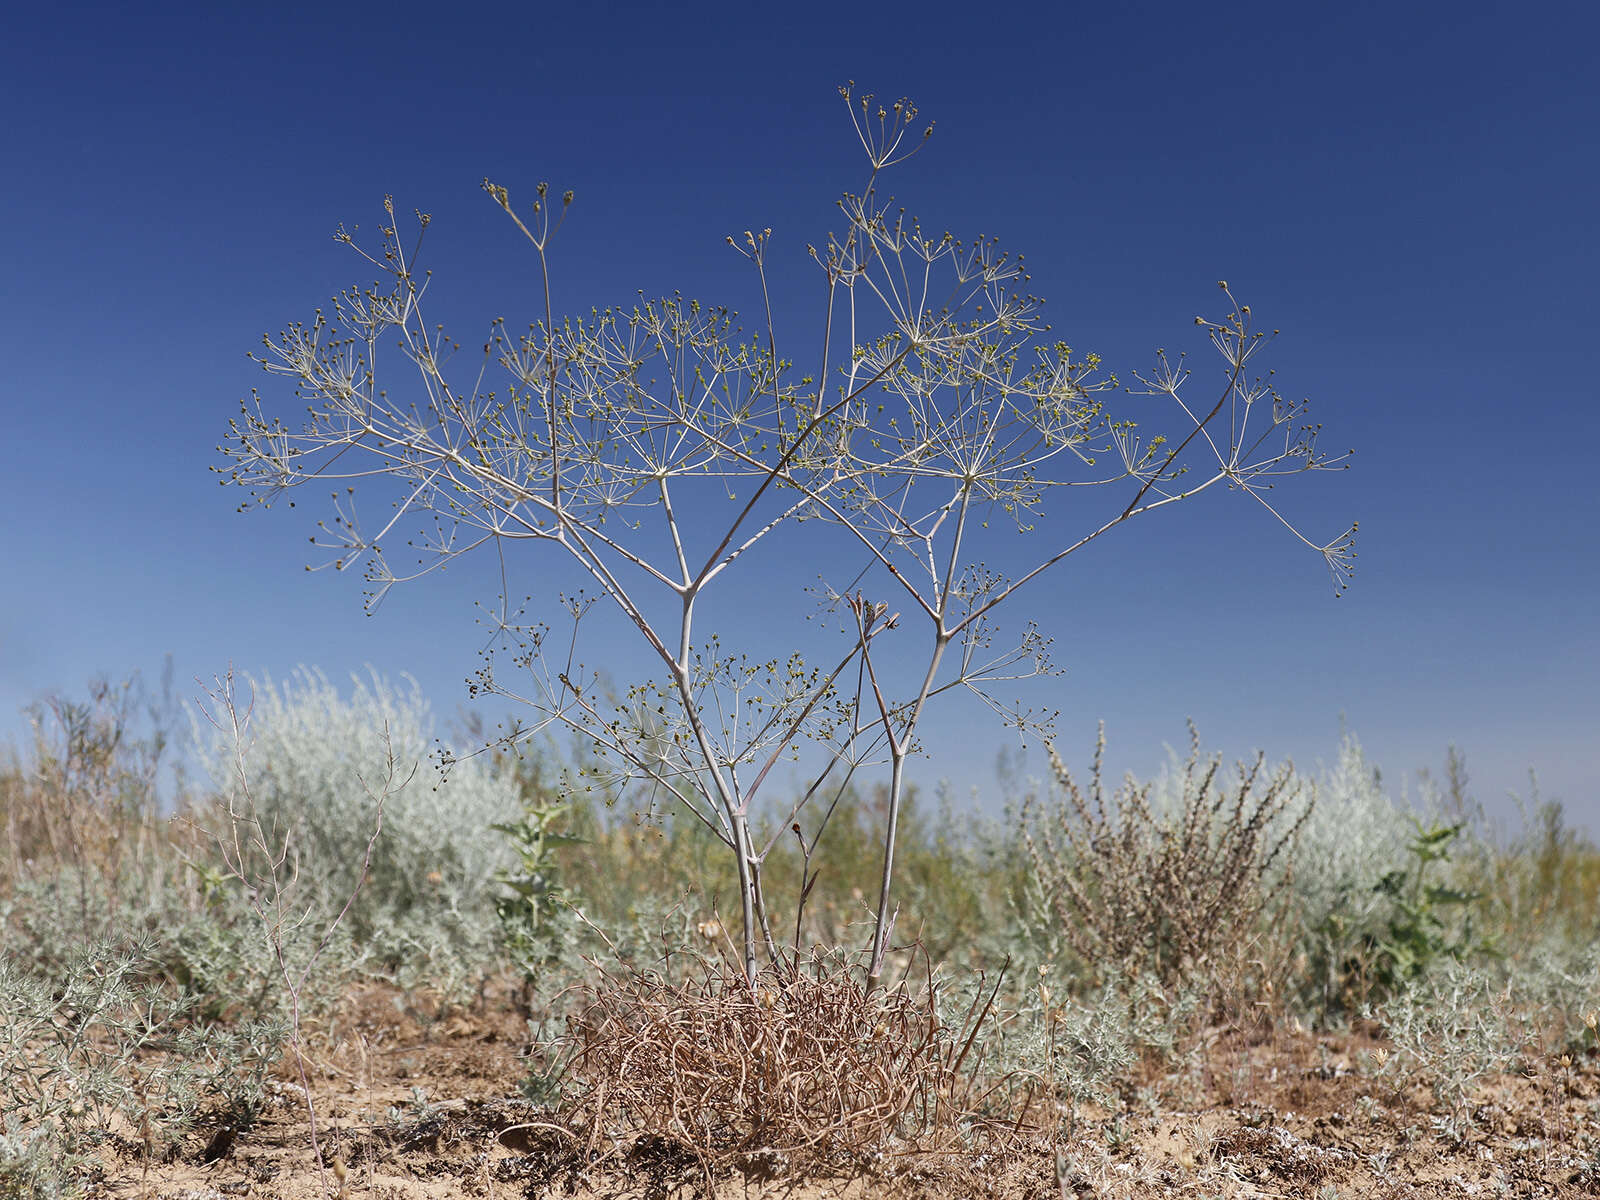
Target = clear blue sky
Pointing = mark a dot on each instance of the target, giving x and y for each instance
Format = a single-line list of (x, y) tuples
[(1407, 191)]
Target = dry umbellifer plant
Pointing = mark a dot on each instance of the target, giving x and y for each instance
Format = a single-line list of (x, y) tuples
[(934, 402)]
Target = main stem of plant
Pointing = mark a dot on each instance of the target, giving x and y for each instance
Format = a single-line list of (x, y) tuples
[(899, 748)]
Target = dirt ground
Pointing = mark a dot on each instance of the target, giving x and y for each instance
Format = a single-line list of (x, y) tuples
[(418, 1108)]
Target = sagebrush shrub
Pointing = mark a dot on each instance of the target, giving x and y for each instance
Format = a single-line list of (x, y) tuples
[(1078, 1046), (427, 909), (1560, 984), (1356, 835), (91, 854)]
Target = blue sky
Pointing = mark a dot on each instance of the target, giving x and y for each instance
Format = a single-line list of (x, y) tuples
[(1407, 192)]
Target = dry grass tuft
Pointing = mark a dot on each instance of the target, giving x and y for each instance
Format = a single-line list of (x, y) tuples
[(806, 1072)]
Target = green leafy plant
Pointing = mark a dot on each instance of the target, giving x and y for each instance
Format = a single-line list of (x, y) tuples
[(1356, 834), (534, 893), (1430, 920)]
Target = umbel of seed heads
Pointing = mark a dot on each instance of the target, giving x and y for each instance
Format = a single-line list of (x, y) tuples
[(884, 145)]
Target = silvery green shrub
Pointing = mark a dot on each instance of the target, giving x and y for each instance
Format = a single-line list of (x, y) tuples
[(1559, 982), (1075, 1047), (315, 762), (1455, 1026), (1358, 835), (94, 1039)]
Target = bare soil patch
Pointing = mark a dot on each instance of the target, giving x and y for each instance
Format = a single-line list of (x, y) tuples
[(417, 1103)]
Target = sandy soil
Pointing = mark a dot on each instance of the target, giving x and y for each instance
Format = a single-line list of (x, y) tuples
[(413, 1108)]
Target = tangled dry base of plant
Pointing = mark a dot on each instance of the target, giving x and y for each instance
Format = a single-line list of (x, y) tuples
[(805, 1073)]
